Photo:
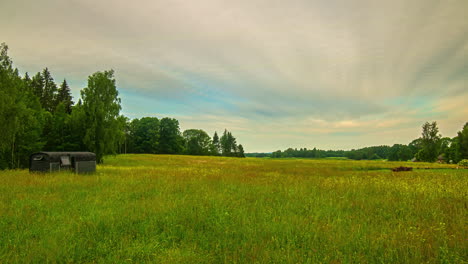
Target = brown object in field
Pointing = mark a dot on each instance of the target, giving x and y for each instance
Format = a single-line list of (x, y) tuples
[(401, 168)]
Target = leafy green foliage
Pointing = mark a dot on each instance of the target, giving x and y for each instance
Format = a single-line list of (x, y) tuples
[(368, 153), (58, 129), (430, 147), (144, 135), (49, 91), (20, 115), (463, 163), (463, 142), (64, 97), (197, 142), (36, 115), (430, 143), (9, 93), (101, 106), (123, 135), (228, 144), (171, 141), (37, 85), (240, 151), (399, 152), (77, 127)]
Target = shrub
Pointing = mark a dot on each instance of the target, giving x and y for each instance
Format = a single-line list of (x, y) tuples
[(463, 163)]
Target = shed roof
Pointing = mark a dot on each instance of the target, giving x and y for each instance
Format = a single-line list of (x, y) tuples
[(78, 155)]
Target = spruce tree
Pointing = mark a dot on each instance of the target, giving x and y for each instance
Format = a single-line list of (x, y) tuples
[(216, 149), (232, 144), (225, 145), (49, 94), (64, 97), (27, 83), (37, 85)]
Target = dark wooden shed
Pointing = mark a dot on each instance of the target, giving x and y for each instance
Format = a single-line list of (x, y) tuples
[(79, 162)]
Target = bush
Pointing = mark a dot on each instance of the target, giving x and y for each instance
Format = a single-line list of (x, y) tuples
[(463, 163)]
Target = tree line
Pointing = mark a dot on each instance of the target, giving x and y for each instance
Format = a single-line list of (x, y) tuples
[(37, 114), (163, 136), (430, 147)]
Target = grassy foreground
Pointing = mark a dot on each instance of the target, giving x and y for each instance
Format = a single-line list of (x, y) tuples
[(183, 209)]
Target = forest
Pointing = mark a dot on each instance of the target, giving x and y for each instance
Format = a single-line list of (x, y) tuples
[(430, 147), (37, 114)]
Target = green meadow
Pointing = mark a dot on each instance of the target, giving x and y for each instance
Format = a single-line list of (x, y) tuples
[(189, 209)]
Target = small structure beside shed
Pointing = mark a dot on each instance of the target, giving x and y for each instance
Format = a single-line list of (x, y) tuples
[(78, 162)]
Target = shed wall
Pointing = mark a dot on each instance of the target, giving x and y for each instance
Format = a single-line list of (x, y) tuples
[(85, 166), (81, 162)]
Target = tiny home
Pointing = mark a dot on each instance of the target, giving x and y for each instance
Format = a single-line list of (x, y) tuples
[(79, 162)]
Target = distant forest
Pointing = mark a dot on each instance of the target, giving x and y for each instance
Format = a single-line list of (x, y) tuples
[(430, 147), (37, 114)]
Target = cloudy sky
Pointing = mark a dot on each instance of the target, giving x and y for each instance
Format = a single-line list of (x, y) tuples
[(327, 74)]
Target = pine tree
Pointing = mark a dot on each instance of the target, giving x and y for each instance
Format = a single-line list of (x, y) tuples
[(37, 85), (216, 149), (27, 83), (48, 99), (225, 145), (64, 97), (232, 145)]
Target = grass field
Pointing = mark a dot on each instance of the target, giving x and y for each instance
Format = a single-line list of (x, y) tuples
[(185, 209)]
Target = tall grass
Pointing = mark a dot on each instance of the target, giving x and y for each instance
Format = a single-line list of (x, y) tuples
[(183, 209)]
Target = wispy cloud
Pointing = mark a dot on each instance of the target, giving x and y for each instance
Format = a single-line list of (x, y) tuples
[(305, 73)]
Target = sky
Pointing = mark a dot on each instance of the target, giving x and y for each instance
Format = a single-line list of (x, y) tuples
[(328, 74)]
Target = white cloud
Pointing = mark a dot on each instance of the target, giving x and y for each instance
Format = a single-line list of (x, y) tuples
[(266, 68)]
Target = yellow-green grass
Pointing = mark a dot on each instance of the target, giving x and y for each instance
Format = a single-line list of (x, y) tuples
[(186, 209)]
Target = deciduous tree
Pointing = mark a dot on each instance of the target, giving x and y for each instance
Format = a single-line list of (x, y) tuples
[(170, 138), (145, 135), (463, 142), (240, 151), (197, 142), (101, 106), (430, 142)]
